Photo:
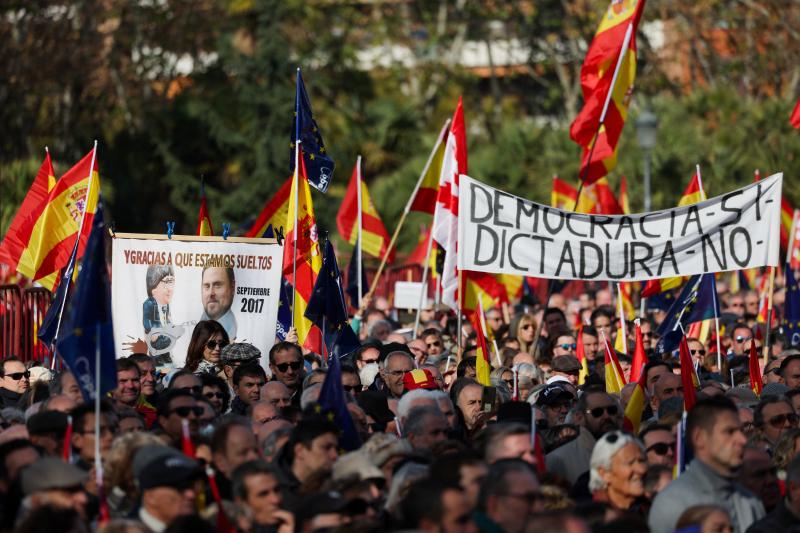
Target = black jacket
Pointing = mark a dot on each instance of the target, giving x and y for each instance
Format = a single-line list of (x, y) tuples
[(9, 398)]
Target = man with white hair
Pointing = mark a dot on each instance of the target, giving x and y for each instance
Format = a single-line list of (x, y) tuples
[(424, 427), (413, 399), (446, 407)]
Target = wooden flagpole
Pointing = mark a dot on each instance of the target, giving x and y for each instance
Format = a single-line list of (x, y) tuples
[(358, 238)]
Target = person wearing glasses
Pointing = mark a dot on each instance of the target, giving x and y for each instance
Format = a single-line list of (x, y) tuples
[(175, 406), (563, 344), (205, 348), (714, 431), (773, 416), (510, 496), (286, 363), (618, 467), (597, 413), (160, 281), (83, 434), (16, 381), (741, 337), (659, 444)]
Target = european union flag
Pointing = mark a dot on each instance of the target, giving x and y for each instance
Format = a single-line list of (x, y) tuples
[(48, 329), (696, 302), (333, 403), (327, 309), (285, 300), (319, 166), (87, 343), (352, 281), (791, 310)]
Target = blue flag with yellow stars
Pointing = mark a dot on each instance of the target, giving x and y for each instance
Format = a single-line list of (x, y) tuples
[(333, 404), (791, 309), (696, 302), (319, 167), (327, 309), (87, 330), (285, 301)]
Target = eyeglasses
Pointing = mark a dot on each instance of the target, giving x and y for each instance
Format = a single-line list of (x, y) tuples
[(694, 352), (661, 448), (186, 410), (597, 412), (434, 344), (197, 389), (168, 281), (397, 373), (740, 339), (778, 421), (212, 344), (212, 395), (283, 367), (572, 346), (16, 376), (527, 326)]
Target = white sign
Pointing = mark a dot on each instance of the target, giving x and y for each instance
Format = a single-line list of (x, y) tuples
[(406, 294), (162, 287), (502, 233)]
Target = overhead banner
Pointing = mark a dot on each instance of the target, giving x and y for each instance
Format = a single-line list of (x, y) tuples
[(161, 288), (503, 234)]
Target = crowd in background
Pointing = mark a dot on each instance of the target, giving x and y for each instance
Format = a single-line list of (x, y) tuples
[(223, 444)]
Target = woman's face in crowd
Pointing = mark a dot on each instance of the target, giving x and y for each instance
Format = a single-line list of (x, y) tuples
[(526, 331), (716, 522), (213, 348), (628, 467)]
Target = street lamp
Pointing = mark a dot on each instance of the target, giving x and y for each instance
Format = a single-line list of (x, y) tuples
[(646, 129)]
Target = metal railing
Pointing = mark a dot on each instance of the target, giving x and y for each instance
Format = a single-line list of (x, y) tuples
[(21, 314)]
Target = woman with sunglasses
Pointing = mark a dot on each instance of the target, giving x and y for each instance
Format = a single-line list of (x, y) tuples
[(523, 327), (205, 347), (617, 470)]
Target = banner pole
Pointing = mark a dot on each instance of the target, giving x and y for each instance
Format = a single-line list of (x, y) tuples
[(767, 336), (460, 309), (407, 209), (74, 251), (622, 325), (358, 235)]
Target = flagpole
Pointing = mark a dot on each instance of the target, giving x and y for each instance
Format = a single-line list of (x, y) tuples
[(622, 324), (407, 209), (700, 183), (460, 308), (296, 188), (424, 292), (768, 337), (716, 327), (358, 239), (98, 463), (74, 250)]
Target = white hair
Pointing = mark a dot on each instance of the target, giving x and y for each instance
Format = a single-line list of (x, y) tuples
[(310, 395), (604, 451), (414, 398)]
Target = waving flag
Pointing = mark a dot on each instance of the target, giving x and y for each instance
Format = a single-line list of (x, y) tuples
[(639, 353), (319, 166), (696, 302), (55, 229), (483, 365), (624, 201), (445, 230), (274, 212), (791, 309), (756, 382), (18, 235), (794, 119), (308, 260), (204, 225), (688, 376), (615, 378), (374, 237), (793, 250), (563, 195), (580, 354), (607, 78), (423, 199)]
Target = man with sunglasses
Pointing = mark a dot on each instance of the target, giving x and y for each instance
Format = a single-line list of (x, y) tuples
[(286, 363), (659, 444), (175, 406), (597, 414), (564, 344), (773, 416), (741, 337), (16, 380)]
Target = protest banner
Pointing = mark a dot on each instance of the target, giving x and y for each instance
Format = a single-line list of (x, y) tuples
[(504, 234), (162, 287)]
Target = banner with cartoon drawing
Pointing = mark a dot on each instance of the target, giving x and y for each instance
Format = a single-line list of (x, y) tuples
[(162, 287)]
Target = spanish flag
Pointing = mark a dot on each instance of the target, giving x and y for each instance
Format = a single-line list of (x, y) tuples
[(274, 211), (55, 229), (483, 366), (787, 215), (755, 370), (624, 200), (19, 233), (607, 78), (563, 195), (481, 291), (694, 192), (598, 198), (580, 354), (308, 258), (374, 237), (635, 407), (204, 225), (615, 378), (423, 199)]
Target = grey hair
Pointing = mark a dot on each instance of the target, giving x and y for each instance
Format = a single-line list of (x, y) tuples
[(418, 418), (604, 451), (311, 375), (380, 322), (529, 372), (310, 396), (406, 403), (401, 480), (503, 391)]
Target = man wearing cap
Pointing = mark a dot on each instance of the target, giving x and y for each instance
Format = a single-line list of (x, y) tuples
[(286, 363), (52, 482), (597, 413), (556, 401), (167, 481), (16, 380), (236, 354), (567, 367), (256, 487)]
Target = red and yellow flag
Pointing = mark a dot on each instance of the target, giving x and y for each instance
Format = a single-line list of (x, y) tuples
[(204, 225), (635, 407), (793, 251), (308, 258), (19, 233), (624, 200), (693, 193), (483, 366), (615, 378), (55, 229), (274, 212), (424, 199), (607, 78), (374, 237), (481, 289), (755, 370), (563, 195), (580, 354), (794, 119), (598, 198)]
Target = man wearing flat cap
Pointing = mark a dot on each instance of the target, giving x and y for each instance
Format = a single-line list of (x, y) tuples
[(52, 482)]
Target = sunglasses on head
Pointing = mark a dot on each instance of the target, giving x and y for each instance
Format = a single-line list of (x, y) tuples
[(283, 367), (212, 344), (597, 412), (186, 410), (661, 448), (568, 346), (16, 376), (778, 421)]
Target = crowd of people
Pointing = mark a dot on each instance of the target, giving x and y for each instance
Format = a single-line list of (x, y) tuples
[(237, 440)]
